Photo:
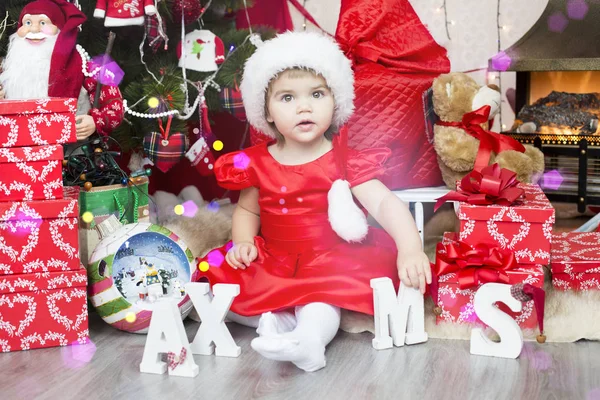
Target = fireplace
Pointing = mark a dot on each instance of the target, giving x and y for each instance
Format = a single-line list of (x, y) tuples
[(557, 100)]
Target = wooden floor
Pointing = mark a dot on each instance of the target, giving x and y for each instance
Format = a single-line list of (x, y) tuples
[(439, 369)]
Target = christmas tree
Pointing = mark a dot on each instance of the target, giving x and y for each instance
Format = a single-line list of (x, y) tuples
[(153, 82)]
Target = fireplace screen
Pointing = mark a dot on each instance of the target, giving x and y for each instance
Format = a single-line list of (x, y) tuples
[(560, 103)]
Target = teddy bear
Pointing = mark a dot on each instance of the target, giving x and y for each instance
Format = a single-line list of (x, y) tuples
[(455, 95)]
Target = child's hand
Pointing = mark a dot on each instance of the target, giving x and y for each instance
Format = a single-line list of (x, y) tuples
[(414, 270), (241, 255)]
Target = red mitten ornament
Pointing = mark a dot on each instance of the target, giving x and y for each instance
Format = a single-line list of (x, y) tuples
[(124, 12), (155, 33), (164, 149)]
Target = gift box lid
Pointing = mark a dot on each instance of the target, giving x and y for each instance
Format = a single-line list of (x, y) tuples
[(525, 273), (30, 154), (11, 284), (575, 252), (535, 207), (38, 106), (66, 207)]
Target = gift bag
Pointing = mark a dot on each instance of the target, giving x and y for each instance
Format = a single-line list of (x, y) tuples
[(128, 203)]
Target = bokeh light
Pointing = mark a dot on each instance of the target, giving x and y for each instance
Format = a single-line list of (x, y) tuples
[(87, 217), (218, 145), (189, 208), (577, 9), (179, 209), (78, 355), (552, 180), (203, 266), (153, 102), (215, 258), (241, 161), (501, 61), (130, 317), (213, 206), (557, 22)]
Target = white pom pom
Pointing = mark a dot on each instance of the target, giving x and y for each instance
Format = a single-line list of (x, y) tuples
[(345, 217)]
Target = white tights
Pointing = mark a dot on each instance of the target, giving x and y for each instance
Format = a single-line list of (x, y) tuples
[(299, 337)]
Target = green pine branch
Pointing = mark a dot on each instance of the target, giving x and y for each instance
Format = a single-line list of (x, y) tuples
[(138, 83)]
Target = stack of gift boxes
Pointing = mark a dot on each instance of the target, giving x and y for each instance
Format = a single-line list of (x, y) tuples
[(42, 282), (508, 240), (499, 241)]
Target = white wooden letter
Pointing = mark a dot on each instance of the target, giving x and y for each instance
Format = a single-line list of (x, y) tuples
[(403, 317), (511, 337), (213, 313), (166, 334)]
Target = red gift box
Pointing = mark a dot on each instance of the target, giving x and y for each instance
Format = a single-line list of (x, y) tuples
[(524, 228), (37, 122), (39, 235), (43, 310), (457, 304), (31, 173), (575, 261)]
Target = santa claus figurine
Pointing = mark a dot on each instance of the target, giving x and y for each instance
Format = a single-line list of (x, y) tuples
[(43, 60)]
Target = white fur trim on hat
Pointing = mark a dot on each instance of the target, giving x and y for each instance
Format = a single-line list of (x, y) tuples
[(297, 49), (346, 219)]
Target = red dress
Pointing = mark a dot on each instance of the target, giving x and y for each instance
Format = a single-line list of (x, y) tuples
[(300, 258)]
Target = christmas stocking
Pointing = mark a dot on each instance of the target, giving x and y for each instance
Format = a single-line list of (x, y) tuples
[(200, 154)]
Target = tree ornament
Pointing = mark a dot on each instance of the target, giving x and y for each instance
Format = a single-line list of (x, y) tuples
[(165, 149), (202, 51), (133, 269), (124, 12), (231, 101), (192, 10)]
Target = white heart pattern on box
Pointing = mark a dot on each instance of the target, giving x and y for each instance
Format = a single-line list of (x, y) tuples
[(18, 283), (29, 315), (55, 310), (18, 187), (36, 337), (32, 238), (580, 238), (34, 122), (13, 135), (499, 237), (33, 223)]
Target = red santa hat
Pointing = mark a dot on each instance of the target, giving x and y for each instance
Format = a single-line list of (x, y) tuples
[(321, 54), (66, 76)]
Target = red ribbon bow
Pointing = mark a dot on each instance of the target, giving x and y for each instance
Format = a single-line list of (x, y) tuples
[(474, 265), (488, 141), (173, 360), (491, 185)]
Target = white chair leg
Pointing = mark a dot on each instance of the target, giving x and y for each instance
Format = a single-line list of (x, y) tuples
[(419, 219)]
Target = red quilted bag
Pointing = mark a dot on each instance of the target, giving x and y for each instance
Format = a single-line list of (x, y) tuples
[(395, 60)]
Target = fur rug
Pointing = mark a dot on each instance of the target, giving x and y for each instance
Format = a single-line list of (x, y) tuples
[(569, 316)]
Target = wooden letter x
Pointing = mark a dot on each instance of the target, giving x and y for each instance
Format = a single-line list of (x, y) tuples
[(212, 312)]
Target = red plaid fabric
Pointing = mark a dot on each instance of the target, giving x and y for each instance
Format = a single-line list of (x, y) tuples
[(155, 41), (165, 153), (231, 100), (173, 360)]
